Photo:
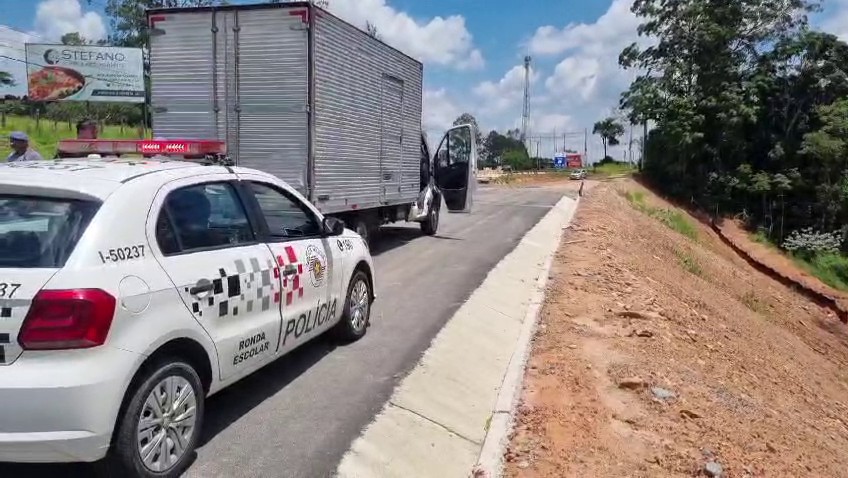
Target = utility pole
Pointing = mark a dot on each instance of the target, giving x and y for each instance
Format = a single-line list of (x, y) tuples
[(525, 114), (586, 144), (555, 141), (538, 165), (630, 145)]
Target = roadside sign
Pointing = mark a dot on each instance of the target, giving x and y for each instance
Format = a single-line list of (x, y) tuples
[(559, 162), (574, 161), (84, 73)]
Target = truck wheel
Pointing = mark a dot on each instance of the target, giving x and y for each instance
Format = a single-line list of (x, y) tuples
[(357, 309), (361, 228), (161, 425), (431, 225)]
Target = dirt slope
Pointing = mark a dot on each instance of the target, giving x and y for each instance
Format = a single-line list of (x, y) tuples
[(660, 355)]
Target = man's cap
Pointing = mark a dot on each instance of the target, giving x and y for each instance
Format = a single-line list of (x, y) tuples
[(18, 136)]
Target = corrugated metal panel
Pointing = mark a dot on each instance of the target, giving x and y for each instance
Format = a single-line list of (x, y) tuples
[(272, 84), (181, 63), (391, 133), (257, 59), (349, 72)]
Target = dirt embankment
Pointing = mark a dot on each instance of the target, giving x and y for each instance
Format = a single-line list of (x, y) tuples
[(662, 355)]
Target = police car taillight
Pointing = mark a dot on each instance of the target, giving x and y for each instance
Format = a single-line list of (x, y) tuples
[(67, 319), (120, 147)]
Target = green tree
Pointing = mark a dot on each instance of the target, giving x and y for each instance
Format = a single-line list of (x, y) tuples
[(742, 97), (496, 145), (609, 130), (468, 118), (518, 160)]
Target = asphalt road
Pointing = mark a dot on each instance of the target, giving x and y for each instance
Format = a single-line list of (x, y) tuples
[(299, 415)]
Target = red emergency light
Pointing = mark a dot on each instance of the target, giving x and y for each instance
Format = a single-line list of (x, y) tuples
[(147, 148)]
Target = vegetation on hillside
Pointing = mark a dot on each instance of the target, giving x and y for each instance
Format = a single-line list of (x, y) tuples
[(749, 112), (45, 136)]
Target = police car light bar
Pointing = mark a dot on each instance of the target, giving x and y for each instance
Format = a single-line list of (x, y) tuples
[(118, 147)]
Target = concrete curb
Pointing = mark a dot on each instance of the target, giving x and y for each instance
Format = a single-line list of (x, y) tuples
[(454, 409), (503, 419)]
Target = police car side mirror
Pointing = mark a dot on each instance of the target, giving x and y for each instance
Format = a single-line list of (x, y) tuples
[(333, 227)]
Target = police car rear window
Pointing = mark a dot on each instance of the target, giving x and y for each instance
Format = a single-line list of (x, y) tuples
[(41, 232)]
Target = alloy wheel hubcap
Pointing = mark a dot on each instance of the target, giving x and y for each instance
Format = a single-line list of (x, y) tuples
[(359, 305), (166, 423)]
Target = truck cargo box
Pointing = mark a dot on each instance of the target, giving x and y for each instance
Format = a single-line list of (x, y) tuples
[(295, 91)]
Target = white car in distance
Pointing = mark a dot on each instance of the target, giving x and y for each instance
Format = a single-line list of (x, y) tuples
[(133, 288)]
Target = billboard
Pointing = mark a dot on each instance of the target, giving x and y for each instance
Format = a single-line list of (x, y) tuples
[(84, 73), (559, 161), (573, 161)]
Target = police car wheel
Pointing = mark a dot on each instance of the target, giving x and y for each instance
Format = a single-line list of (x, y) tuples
[(357, 310), (161, 425)]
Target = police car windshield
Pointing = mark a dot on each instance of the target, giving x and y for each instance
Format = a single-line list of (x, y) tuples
[(40, 232)]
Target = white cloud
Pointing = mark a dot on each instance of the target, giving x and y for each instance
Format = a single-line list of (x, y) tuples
[(12, 58), (54, 18), (616, 26), (586, 81), (440, 40), (575, 74), (551, 122), (439, 112), (835, 18), (506, 93)]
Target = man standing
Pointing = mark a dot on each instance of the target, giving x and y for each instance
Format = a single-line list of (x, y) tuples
[(21, 151)]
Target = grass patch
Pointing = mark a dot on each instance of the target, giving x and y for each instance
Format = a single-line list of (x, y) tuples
[(45, 136), (614, 169), (507, 178), (672, 218), (832, 269), (761, 237), (753, 303), (689, 263), (677, 221)]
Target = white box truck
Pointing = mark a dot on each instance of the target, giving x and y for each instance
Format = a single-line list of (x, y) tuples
[(295, 91)]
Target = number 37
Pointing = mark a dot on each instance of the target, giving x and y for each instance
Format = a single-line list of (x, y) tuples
[(8, 290)]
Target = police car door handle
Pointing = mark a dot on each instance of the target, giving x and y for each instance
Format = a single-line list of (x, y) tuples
[(201, 288), (289, 270)]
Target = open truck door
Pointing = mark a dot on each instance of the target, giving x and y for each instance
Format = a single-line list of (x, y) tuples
[(454, 167)]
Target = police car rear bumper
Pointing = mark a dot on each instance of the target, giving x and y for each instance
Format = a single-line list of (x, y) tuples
[(62, 406)]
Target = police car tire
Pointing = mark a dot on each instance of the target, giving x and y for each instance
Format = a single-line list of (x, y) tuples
[(344, 330), (124, 459)]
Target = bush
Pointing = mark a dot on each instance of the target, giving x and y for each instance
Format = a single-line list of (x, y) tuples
[(807, 243)]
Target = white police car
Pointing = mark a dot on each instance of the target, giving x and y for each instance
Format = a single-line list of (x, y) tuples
[(132, 289)]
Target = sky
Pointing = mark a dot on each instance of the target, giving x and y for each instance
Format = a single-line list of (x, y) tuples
[(472, 51)]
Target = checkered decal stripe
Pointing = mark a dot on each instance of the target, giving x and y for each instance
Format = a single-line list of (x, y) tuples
[(293, 285), (239, 290), (12, 313)]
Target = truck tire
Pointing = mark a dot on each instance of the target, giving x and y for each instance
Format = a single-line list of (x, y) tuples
[(361, 228), (431, 225), (180, 427)]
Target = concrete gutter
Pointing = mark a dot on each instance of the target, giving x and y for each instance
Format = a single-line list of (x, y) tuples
[(454, 410)]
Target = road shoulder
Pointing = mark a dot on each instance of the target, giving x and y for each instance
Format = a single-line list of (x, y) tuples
[(463, 388)]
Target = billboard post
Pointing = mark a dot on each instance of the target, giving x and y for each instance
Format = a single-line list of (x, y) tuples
[(84, 73)]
